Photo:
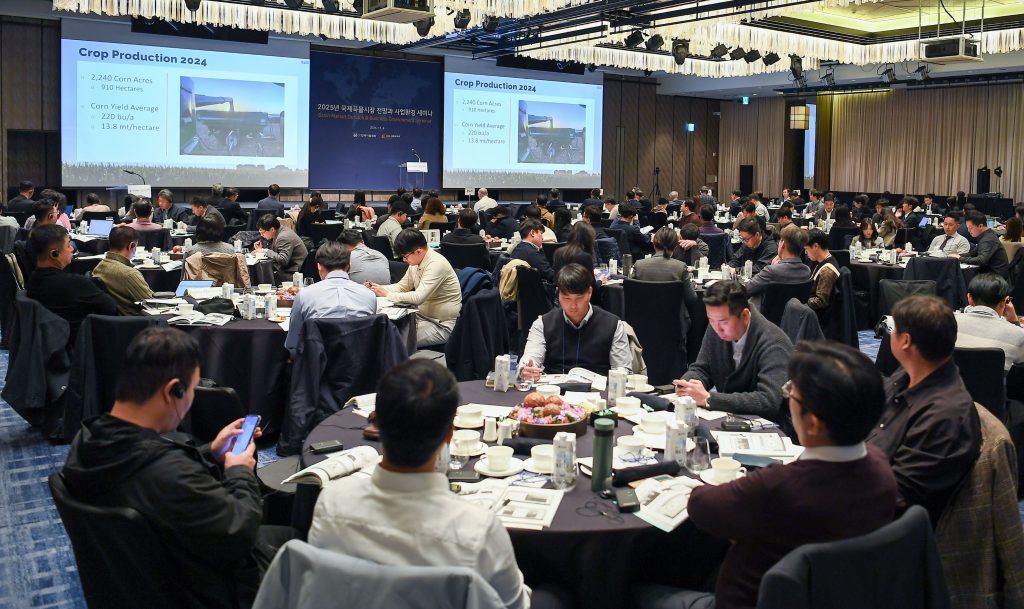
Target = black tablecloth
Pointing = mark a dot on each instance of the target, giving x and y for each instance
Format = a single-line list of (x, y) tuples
[(596, 557), (160, 280), (92, 247), (866, 276)]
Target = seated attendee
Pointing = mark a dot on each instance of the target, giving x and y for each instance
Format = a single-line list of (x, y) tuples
[(826, 271), (546, 217), (593, 215), (484, 202), (404, 514), (707, 199), (202, 210), (23, 203), (787, 270), (530, 248), (880, 206), (563, 224), (430, 285), (285, 249), (201, 502), (687, 215), (165, 209), (207, 240), (736, 202), (690, 247), (432, 212), (889, 227), (367, 265), (662, 266), (575, 335), (533, 212), (661, 209), (123, 281), (707, 224), (230, 209), (950, 241), (835, 398), (92, 204), (988, 253), (756, 248), (611, 207), (336, 295), (309, 215), (990, 320), (760, 210), (627, 223), (930, 429), (909, 213), (399, 214), (144, 217), (749, 212), (828, 208), (868, 237), (68, 295), (860, 209), (271, 204), (595, 198), (843, 218), (359, 211), (743, 356), (554, 200), (579, 249), (466, 231), (932, 207), (44, 205), (1013, 238), (501, 225), (784, 217), (418, 199)]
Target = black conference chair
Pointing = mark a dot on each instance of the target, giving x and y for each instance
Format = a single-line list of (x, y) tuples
[(398, 269), (228, 235), (842, 257), (982, 373), (533, 300), (465, 255), (148, 239), (550, 249), (382, 245), (121, 560), (308, 268), (8, 312), (773, 304), (620, 237), (839, 320), (945, 272), (444, 227), (89, 216), (480, 335), (892, 291), (212, 410), (717, 249), (654, 310), (20, 216), (837, 237), (321, 232)]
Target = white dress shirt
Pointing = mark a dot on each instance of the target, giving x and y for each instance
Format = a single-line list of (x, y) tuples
[(957, 244), (484, 204), (835, 454), (536, 344), (982, 328), (337, 297), (415, 520)]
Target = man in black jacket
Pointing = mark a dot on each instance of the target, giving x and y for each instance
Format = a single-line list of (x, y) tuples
[(501, 224), (989, 253), (22, 203), (530, 249), (466, 231), (203, 503), (755, 248), (595, 198), (230, 209)]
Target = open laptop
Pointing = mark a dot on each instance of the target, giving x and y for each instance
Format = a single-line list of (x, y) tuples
[(196, 283), (100, 228)]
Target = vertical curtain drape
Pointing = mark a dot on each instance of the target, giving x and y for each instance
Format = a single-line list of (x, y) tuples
[(752, 135)]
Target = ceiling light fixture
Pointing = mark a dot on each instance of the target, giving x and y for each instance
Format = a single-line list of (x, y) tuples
[(719, 51), (491, 23), (294, 4), (752, 56), (680, 51), (462, 19), (829, 78), (634, 39), (923, 72), (193, 5), (423, 26), (331, 6), (771, 59), (655, 42), (737, 53), (889, 75)]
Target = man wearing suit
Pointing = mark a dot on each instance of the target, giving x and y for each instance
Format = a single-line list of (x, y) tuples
[(165, 209), (230, 209), (932, 207), (501, 224), (554, 200), (755, 248), (707, 222), (909, 214), (530, 249), (828, 211), (22, 203), (707, 199), (989, 253), (595, 198), (626, 223), (202, 210), (286, 250), (271, 205), (788, 270), (466, 231)]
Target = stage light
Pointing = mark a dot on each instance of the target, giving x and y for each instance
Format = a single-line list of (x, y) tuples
[(719, 51), (655, 42), (490, 23), (736, 53), (331, 6), (193, 5), (796, 66), (923, 72), (633, 40), (889, 75), (771, 59), (423, 26), (752, 56), (680, 51), (462, 19), (829, 79), (294, 4)]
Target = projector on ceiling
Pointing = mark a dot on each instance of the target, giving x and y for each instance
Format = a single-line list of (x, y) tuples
[(958, 49), (398, 11)]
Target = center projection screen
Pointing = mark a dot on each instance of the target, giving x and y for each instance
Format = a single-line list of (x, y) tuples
[(503, 132)]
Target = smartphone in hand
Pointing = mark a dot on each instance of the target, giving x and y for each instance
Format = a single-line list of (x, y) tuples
[(248, 429)]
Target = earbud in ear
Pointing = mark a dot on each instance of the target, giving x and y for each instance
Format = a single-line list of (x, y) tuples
[(178, 390), (54, 254)]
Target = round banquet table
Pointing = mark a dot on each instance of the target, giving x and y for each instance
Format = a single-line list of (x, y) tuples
[(866, 275), (160, 280), (596, 557)]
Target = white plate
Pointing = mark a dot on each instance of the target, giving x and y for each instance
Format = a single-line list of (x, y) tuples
[(530, 466), (641, 388), (479, 450), (462, 425), (706, 477), (515, 466), (619, 410)]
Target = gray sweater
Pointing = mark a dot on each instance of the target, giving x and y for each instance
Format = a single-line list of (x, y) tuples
[(755, 386)]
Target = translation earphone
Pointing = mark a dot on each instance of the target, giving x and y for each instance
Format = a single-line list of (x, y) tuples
[(178, 390), (54, 254)]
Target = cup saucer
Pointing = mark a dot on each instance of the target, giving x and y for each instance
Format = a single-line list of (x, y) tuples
[(459, 423), (651, 432), (708, 478), (531, 466), (475, 452), (641, 388), (514, 467), (626, 412)]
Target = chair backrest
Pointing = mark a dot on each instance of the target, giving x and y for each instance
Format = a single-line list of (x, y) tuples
[(799, 322), (837, 237), (550, 249), (773, 304), (480, 334), (444, 227), (895, 567), (654, 310), (121, 560), (8, 312), (318, 232), (398, 269), (221, 268), (945, 272), (892, 291), (472, 280), (382, 245), (607, 249), (620, 237), (148, 239), (717, 245), (89, 216), (464, 255), (213, 408), (533, 299), (842, 257), (982, 373), (228, 235), (20, 216), (1016, 276)]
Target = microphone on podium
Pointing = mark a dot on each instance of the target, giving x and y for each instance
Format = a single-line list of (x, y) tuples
[(418, 159)]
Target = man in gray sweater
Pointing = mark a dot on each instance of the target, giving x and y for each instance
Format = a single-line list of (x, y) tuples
[(286, 250), (743, 356), (788, 269)]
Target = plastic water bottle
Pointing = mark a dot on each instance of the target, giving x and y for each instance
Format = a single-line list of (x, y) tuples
[(238, 246), (675, 442), (748, 269), (564, 471), (483, 233), (297, 280), (271, 305)]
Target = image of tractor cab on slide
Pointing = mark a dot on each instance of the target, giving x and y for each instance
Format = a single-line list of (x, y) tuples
[(210, 125)]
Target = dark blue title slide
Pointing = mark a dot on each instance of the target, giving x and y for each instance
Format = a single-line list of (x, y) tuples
[(367, 115)]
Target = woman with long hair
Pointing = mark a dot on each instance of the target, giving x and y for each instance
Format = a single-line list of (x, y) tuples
[(578, 248), (868, 237), (1012, 239), (563, 224), (309, 214), (889, 227), (433, 211), (359, 210)]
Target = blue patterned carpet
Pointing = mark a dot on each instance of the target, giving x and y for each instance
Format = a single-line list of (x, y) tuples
[(37, 566)]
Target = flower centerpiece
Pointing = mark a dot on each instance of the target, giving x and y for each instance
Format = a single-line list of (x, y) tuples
[(544, 416)]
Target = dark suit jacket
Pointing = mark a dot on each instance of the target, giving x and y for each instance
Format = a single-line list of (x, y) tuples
[(462, 236), (20, 204), (634, 237), (232, 211), (589, 202), (505, 228), (535, 258), (271, 205)]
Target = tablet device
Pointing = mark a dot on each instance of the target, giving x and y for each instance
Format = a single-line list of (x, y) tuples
[(197, 283)]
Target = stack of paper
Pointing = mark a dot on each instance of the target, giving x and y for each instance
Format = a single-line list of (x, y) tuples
[(663, 500), (528, 508), (766, 444)]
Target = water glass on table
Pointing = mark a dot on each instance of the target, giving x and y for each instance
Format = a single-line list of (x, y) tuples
[(699, 458)]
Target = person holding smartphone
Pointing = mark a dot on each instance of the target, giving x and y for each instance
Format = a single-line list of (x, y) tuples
[(202, 502)]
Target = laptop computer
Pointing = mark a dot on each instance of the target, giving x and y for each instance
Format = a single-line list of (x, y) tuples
[(100, 228), (196, 283)]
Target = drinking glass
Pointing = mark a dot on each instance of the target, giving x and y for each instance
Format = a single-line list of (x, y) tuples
[(699, 458), (456, 461), (308, 281)]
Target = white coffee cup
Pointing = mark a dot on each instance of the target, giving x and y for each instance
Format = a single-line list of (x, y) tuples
[(286, 284), (630, 447), (549, 390), (186, 308), (464, 441), (654, 422), (627, 404), (725, 469), (499, 458), (264, 287), (469, 415), (543, 456), (635, 380)]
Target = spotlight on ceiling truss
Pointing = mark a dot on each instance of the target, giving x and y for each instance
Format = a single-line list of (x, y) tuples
[(752, 56), (294, 4), (634, 39), (771, 59), (719, 51), (796, 66), (829, 78), (462, 19), (423, 26), (193, 5), (923, 72), (331, 6), (889, 75), (737, 53), (491, 22), (680, 51), (655, 42)]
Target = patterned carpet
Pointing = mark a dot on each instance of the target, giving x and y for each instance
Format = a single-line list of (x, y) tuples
[(37, 566)]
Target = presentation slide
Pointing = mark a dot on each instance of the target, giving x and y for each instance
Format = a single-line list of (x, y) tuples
[(181, 117), (368, 116), (521, 133)]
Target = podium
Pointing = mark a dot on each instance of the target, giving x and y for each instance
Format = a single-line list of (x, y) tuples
[(412, 174), (117, 194)]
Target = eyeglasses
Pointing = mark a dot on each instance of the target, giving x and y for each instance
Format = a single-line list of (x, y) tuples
[(788, 395)]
